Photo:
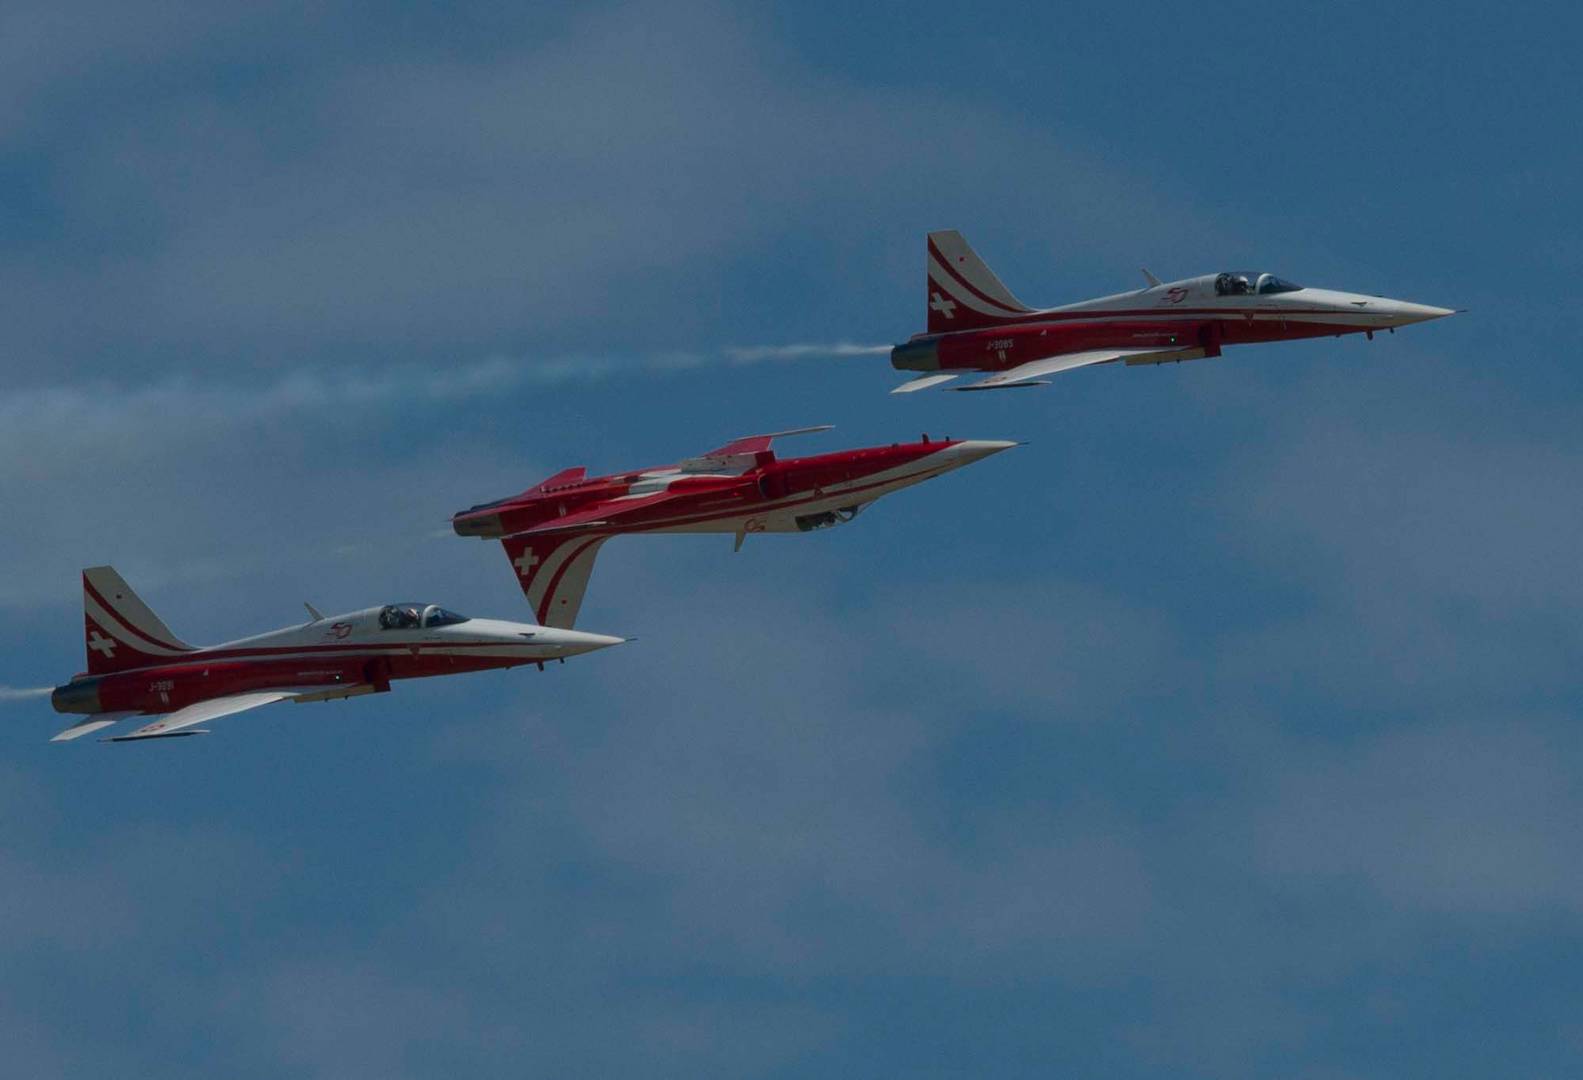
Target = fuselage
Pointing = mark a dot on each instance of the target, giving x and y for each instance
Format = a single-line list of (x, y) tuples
[(341, 656), (1195, 316), (741, 493)]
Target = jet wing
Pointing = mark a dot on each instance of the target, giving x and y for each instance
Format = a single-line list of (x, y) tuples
[(737, 456), (753, 444), (182, 721), (1029, 374)]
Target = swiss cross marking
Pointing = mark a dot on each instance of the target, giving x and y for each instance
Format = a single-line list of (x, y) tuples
[(945, 307), (525, 562), (101, 644)]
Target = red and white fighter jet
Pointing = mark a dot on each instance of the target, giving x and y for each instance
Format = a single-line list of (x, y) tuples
[(975, 324), (553, 531), (137, 667)]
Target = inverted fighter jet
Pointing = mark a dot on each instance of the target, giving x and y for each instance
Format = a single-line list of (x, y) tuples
[(553, 531), (975, 324), (138, 668)]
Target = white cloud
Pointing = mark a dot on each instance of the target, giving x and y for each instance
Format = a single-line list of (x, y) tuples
[(329, 445), (767, 805), (1433, 566), (386, 205), (1466, 819), (773, 797)]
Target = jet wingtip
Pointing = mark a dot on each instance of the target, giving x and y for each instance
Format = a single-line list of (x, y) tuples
[(1019, 385)]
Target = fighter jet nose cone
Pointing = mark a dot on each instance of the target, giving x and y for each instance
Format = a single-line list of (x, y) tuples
[(576, 641), (1403, 313), (970, 450), (1425, 312)]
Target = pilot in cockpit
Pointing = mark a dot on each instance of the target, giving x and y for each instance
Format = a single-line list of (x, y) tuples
[(399, 617), (1233, 284), (1246, 283), (416, 616)]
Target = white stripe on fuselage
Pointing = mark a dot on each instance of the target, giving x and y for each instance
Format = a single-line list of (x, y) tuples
[(491, 650), (834, 496), (1308, 315)]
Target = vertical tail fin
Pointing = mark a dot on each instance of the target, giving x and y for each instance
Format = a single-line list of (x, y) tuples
[(122, 632), (964, 293), (553, 570)]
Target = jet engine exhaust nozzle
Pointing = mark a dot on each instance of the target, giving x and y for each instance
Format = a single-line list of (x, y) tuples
[(916, 356), (77, 696)]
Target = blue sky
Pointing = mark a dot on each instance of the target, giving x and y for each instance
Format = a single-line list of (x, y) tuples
[(1227, 729)]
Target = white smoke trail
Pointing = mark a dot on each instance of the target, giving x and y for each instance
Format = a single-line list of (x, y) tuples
[(752, 354), (17, 693), (45, 412)]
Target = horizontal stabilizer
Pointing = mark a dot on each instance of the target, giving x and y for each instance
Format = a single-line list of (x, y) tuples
[(562, 478), (923, 383), (471, 522), (90, 725)]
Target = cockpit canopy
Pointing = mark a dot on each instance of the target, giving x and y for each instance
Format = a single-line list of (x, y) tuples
[(416, 617), (1249, 282)]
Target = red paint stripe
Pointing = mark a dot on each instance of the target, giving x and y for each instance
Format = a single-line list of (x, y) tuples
[(549, 593), (542, 546), (968, 285), (198, 657), (115, 613), (790, 504), (1104, 316)]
